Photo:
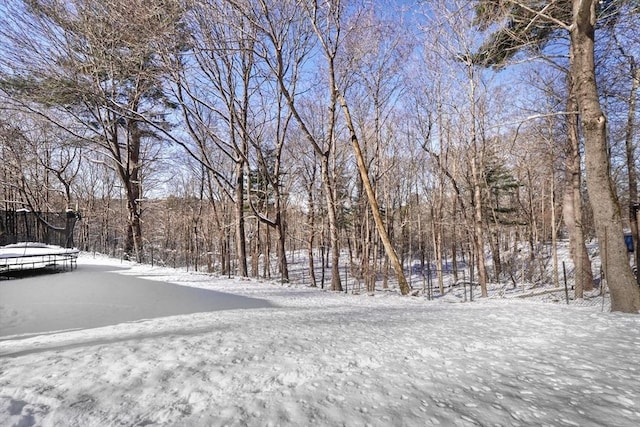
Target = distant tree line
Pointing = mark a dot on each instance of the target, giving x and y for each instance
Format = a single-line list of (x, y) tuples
[(331, 141)]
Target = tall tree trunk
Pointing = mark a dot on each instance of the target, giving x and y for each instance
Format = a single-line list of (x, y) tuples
[(437, 249), (336, 282), (368, 259), (437, 220), (478, 231), (241, 245), (312, 233), (134, 235), (496, 257), (477, 162), (255, 251), (129, 172), (572, 204), (625, 295), (266, 266), (282, 250), (373, 202), (554, 231)]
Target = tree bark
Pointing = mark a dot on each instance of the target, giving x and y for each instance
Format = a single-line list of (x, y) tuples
[(437, 249), (311, 224), (135, 185), (572, 204), (282, 250), (625, 295), (334, 236), (478, 229), (241, 245)]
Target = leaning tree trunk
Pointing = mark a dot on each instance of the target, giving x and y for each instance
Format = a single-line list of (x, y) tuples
[(373, 202), (625, 295)]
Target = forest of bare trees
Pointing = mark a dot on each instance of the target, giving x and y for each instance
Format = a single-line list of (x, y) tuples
[(335, 142)]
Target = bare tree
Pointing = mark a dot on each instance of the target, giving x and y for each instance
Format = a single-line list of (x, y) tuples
[(89, 67), (375, 50), (579, 19), (282, 56), (327, 20), (454, 39), (214, 85), (625, 295)]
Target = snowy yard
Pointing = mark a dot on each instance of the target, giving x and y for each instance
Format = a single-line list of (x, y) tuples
[(320, 358)]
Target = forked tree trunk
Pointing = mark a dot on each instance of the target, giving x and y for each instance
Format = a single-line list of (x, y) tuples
[(625, 295)]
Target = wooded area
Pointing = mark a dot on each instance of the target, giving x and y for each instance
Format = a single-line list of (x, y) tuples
[(349, 139)]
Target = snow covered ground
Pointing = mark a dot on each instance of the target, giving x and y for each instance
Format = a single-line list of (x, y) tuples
[(92, 296), (327, 359)]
